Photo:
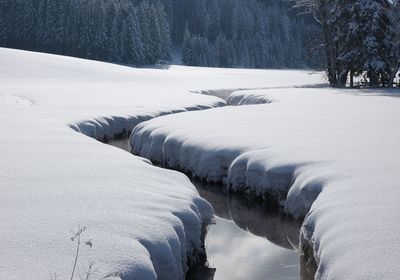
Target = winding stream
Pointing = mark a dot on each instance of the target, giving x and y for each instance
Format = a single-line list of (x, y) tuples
[(248, 241)]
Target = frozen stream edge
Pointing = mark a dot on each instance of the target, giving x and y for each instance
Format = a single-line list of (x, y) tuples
[(254, 218), (283, 153), (149, 146), (105, 129), (108, 128)]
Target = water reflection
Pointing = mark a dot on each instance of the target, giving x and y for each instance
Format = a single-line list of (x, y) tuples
[(249, 242), (252, 216), (122, 143)]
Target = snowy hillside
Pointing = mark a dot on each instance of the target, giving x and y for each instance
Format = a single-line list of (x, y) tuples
[(337, 149), (143, 221)]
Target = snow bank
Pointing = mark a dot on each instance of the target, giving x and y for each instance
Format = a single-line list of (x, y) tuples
[(330, 155), (248, 97), (144, 222)]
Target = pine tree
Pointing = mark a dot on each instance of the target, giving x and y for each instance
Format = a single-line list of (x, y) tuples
[(145, 32), (377, 46), (54, 26), (213, 20), (367, 33), (187, 53), (28, 24), (395, 24), (165, 38), (243, 56), (134, 47), (115, 53), (226, 52)]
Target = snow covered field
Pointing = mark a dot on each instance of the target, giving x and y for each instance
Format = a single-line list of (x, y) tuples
[(330, 155), (143, 221)]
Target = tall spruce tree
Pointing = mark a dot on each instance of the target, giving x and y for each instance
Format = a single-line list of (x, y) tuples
[(377, 33)]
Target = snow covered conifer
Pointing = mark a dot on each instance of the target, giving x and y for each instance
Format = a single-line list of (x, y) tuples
[(395, 21), (115, 42), (144, 22), (136, 43), (55, 25), (164, 26), (187, 47), (377, 39), (226, 52)]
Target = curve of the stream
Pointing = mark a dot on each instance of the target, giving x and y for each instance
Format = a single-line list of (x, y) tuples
[(248, 240)]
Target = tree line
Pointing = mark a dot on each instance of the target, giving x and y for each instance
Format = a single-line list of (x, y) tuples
[(359, 38), (119, 31), (251, 33), (224, 33)]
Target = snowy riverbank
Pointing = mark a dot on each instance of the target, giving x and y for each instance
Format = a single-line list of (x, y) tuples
[(330, 155)]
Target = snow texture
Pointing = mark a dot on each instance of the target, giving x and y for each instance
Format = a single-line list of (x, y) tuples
[(144, 222), (329, 155)]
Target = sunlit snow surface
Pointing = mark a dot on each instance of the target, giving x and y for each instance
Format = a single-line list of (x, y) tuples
[(142, 220), (11, 100), (330, 155)]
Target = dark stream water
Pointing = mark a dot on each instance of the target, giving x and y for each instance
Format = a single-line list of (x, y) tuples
[(248, 241)]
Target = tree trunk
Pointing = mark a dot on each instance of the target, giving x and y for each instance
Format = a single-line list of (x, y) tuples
[(342, 79), (393, 75), (373, 79), (330, 56), (351, 78)]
